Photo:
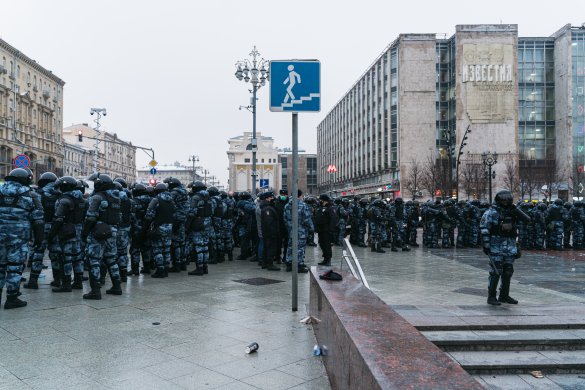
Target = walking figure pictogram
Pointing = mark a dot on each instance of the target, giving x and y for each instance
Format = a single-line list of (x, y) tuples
[(291, 80)]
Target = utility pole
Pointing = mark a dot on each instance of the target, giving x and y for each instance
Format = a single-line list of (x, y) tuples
[(99, 112)]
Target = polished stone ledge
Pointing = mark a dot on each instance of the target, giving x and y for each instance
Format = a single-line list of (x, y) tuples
[(370, 346)]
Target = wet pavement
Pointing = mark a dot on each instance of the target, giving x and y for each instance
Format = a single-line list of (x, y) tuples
[(61, 341)]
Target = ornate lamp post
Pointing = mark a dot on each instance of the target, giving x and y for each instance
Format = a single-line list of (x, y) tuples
[(255, 72), (193, 159), (489, 160)]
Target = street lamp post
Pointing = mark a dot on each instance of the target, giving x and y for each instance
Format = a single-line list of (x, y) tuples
[(99, 112), (205, 172), (489, 160), (248, 71), (458, 161), (193, 159)]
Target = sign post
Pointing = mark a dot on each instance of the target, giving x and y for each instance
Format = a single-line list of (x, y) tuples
[(295, 86)]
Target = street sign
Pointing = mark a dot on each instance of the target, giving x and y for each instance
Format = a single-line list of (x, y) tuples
[(153, 163), (21, 161), (263, 183), (295, 85), (331, 168), (153, 171)]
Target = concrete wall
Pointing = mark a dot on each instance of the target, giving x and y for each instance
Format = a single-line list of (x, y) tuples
[(416, 102), (563, 101), (490, 107)]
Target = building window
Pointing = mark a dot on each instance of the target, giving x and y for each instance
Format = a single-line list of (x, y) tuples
[(246, 160)]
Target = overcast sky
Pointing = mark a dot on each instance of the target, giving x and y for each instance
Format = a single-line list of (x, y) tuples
[(165, 69)]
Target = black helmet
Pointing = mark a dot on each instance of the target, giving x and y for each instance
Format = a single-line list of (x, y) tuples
[(504, 198), (379, 203), (325, 198), (149, 191), (364, 201), (568, 205), (172, 182), (160, 188), (398, 201), (82, 185), (337, 201), (19, 175), (101, 182), (345, 201), (213, 191), (197, 186), (138, 189), (558, 202), (223, 194), (121, 181), (46, 178), (244, 195), (66, 184), (118, 186)]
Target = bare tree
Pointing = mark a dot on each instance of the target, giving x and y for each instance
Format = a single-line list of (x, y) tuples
[(473, 177), (414, 178), (552, 177), (530, 180), (429, 177), (511, 176)]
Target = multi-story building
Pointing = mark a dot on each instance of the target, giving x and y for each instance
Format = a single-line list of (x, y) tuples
[(31, 113), (401, 127), (77, 160), (116, 157), (185, 174), (307, 171), (240, 163)]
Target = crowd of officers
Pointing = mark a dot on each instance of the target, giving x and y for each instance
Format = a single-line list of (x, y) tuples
[(160, 229)]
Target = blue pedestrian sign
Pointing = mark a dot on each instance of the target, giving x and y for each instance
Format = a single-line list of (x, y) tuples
[(21, 161), (295, 85), (153, 171), (263, 183)]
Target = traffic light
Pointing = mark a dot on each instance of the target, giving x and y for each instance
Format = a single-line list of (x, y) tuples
[(152, 182), (80, 135)]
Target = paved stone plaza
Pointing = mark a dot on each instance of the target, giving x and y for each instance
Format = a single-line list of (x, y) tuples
[(61, 341)]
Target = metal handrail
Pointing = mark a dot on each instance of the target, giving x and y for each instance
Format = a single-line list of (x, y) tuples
[(351, 259)]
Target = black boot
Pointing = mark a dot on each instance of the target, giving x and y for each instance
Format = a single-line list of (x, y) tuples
[(146, 268), (183, 266), (65, 285), (325, 262), (393, 248), (288, 267), (12, 302), (373, 248), (405, 249), (205, 270), (492, 289), (197, 271), (159, 273), (379, 249), (56, 278), (123, 275), (32, 281), (95, 292), (220, 257), (230, 256), (175, 268), (77, 281), (505, 287), (116, 287), (135, 269), (103, 272)]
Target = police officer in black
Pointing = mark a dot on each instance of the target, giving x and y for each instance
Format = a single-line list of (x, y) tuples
[(325, 226), (66, 228), (100, 231), (269, 224)]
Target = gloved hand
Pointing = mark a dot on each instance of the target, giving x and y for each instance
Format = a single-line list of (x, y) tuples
[(486, 249)]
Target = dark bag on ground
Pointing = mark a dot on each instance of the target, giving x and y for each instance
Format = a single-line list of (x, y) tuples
[(331, 275), (102, 231)]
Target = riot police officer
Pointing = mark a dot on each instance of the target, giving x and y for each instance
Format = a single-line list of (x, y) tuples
[(20, 213), (325, 223), (100, 231), (198, 222), (181, 200), (499, 229), (158, 226), (48, 196), (140, 247), (124, 227), (68, 217)]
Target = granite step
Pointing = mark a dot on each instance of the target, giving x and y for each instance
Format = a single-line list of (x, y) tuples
[(520, 362), (508, 340)]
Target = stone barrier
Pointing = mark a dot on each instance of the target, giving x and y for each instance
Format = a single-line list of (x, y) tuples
[(367, 345)]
